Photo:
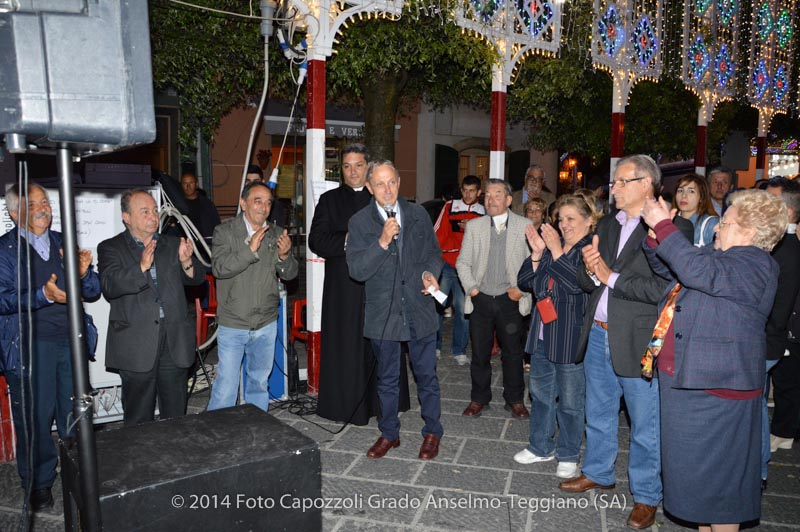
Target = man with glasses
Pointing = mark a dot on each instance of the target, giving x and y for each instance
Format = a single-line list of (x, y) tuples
[(533, 188), (618, 326)]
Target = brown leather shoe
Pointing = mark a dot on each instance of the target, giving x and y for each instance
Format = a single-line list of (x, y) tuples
[(642, 516), (429, 448), (518, 410), (581, 484), (382, 447), (474, 409)]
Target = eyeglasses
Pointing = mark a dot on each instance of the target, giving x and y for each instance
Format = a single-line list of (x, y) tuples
[(620, 183), (723, 224)]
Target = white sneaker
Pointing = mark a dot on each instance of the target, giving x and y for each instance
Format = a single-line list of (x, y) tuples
[(526, 457), (567, 470), (438, 353), (461, 359), (776, 442)]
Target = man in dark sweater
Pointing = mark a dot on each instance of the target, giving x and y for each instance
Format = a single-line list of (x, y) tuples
[(202, 211), (39, 375)]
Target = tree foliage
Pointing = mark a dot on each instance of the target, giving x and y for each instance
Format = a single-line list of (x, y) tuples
[(391, 64)]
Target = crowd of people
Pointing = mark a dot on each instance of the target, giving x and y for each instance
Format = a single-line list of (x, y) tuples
[(670, 307), (681, 309)]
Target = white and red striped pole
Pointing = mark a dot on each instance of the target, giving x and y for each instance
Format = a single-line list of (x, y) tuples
[(702, 138), (621, 88), (497, 136), (764, 118), (315, 181)]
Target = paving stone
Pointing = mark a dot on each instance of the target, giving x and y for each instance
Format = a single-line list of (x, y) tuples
[(377, 501), (335, 462), (389, 469), (463, 511), (457, 476)]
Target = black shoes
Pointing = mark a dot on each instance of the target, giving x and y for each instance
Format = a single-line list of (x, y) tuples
[(41, 499)]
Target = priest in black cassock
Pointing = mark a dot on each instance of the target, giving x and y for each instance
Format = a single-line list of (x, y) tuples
[(347, 373)]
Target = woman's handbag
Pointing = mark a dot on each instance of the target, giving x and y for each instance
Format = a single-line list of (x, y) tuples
[(545, 306)]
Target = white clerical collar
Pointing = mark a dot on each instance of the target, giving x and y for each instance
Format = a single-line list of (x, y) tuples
[(358, 189), (791, 229)]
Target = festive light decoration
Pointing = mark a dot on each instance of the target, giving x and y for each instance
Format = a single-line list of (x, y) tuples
[(760, 79), (723, 66), (644, 41), (612, 30), (626, 42), (516, 28), (698, 58), (727, 10), (784, 29), (780, 85), (701, 7), (771, 49), (764, 21), (537, 16), (486, 9)]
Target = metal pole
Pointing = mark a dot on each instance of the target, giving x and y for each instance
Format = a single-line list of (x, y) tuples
[(82, 399)]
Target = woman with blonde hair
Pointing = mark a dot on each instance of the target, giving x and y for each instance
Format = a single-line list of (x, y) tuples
[(550, 273), (693, 202), (710, 344)]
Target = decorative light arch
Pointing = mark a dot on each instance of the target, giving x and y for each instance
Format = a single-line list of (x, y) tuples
[(324, 19), (771, 47), (626, 42), (708, 65), (515, 28)]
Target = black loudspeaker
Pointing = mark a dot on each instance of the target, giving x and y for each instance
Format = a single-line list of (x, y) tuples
[(232, 469), (75, 71)]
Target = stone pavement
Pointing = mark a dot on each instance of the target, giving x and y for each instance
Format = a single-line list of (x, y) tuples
[(473, 485)]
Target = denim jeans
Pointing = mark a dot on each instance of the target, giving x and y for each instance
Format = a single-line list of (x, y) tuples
[(566, 382), (765, 451), (603, 391), (422, 353), (450, 285), (46, 398), (233, 345)]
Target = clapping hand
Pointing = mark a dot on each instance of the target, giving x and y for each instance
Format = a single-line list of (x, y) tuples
[(535, 241), (284, 245), (594, 262), (655, 212), (552, 239)]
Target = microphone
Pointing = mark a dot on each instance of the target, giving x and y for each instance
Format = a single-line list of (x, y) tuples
[(390, 214)]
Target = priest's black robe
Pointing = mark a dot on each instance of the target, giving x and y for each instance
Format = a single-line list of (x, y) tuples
[(347, 373)]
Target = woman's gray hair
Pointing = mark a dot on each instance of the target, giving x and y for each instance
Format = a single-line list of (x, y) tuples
[(760, 210)]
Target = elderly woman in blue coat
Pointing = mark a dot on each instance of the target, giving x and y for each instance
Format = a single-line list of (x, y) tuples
[(711, 345), (551, 272)]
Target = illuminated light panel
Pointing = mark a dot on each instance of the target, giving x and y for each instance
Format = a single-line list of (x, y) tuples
[(701, 6), (780, 85), (612, 30), (644, 41), (698, 58), (537, 16), (784, 29), (724, 66), (764, 21), (486, 9), (760, 79), (727, 10)]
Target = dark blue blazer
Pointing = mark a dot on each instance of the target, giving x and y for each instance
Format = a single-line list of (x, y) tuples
[(10, 296), (560, 336), (393, 278), (720, 313)]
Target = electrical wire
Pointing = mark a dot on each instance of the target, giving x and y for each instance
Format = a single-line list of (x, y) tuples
[(251, 16), (256, 120)]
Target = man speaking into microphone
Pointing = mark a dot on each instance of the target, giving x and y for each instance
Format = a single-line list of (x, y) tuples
[(392, 248)]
